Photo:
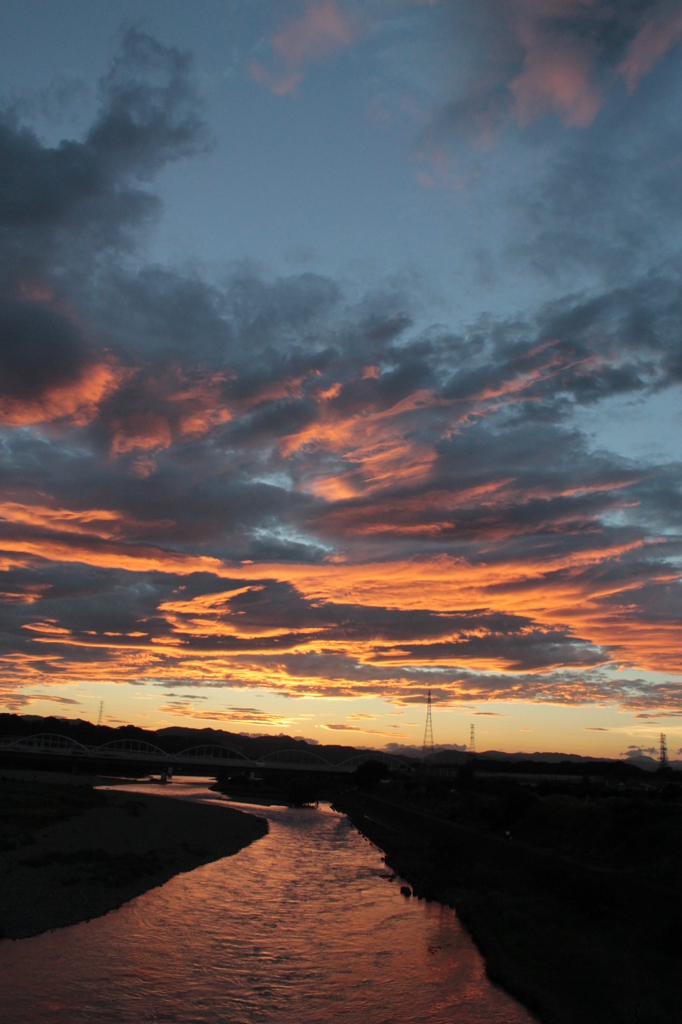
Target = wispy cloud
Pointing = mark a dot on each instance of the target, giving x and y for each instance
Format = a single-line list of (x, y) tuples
[(335, 727), (322, 30), (563, 59)]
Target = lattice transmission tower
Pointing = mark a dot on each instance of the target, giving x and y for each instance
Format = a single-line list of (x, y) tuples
[(472, 740), (101, 712), (428, 729), (663, 756)]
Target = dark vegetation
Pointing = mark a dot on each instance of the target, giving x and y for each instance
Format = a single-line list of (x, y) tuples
[(573, 891), (289, 789)]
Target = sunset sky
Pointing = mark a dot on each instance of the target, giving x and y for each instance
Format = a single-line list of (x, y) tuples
[(340, 360)]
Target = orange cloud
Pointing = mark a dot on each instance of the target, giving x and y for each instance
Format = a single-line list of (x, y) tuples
[(323, 30), (583, 590), (190, 407), (106, 524), (274, 391), (146, 430), (202, 405), (375, 446), (49, 628), (556, 78), (557, 591), (76, 402), (132, 557), (558, 74), (365, 732), (96, 522), (28, 595), (413, 514), (562, 589), (244, 716), (378, 447), (210, 615)]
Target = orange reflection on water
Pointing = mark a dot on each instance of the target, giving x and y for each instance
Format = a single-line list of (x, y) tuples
[(302, 926)]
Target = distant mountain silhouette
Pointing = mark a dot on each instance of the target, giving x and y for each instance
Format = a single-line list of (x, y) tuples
[(175, 738)]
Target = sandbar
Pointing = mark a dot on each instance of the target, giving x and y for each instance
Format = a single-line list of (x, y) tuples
[(100, 856)]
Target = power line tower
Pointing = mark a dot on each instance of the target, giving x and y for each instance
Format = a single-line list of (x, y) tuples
[(663, 756), (101, 712), (428, 729), (472, 740)]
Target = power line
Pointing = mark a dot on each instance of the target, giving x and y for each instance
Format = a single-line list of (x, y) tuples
[(428, 729)]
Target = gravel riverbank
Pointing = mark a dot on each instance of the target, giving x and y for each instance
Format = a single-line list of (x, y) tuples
[(70, 853)]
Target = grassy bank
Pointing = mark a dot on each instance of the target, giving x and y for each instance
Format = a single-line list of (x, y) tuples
[(69, 853), (577, 914)]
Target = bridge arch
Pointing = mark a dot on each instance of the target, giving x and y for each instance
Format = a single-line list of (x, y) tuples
[(295, 757), (49, 741)]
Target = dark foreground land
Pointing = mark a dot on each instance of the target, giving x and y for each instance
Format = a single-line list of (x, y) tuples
[(578, 914), (69, 853)]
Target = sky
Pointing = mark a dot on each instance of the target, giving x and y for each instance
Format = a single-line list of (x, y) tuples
[(341, 361)]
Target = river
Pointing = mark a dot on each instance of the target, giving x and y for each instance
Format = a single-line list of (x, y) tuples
[(302, 926)]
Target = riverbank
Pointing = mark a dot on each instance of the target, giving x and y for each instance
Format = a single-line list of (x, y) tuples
[(69, 853), (577, 914)]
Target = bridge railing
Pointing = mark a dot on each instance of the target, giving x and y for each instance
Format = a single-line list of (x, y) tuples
[(46, 741), (213, 752)]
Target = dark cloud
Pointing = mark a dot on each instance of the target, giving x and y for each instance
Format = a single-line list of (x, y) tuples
[(637, 751), (60, 206), (271, 481), (149, 115), (39, 349)]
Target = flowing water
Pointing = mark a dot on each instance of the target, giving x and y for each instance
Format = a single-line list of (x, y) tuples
[(301, 926)]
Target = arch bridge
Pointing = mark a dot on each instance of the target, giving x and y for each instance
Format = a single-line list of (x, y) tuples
[(53, 748)]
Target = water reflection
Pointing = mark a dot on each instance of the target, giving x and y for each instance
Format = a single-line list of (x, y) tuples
[(299, 927)]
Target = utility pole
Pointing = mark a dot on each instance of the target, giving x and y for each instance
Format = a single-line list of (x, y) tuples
[(428, 729)]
